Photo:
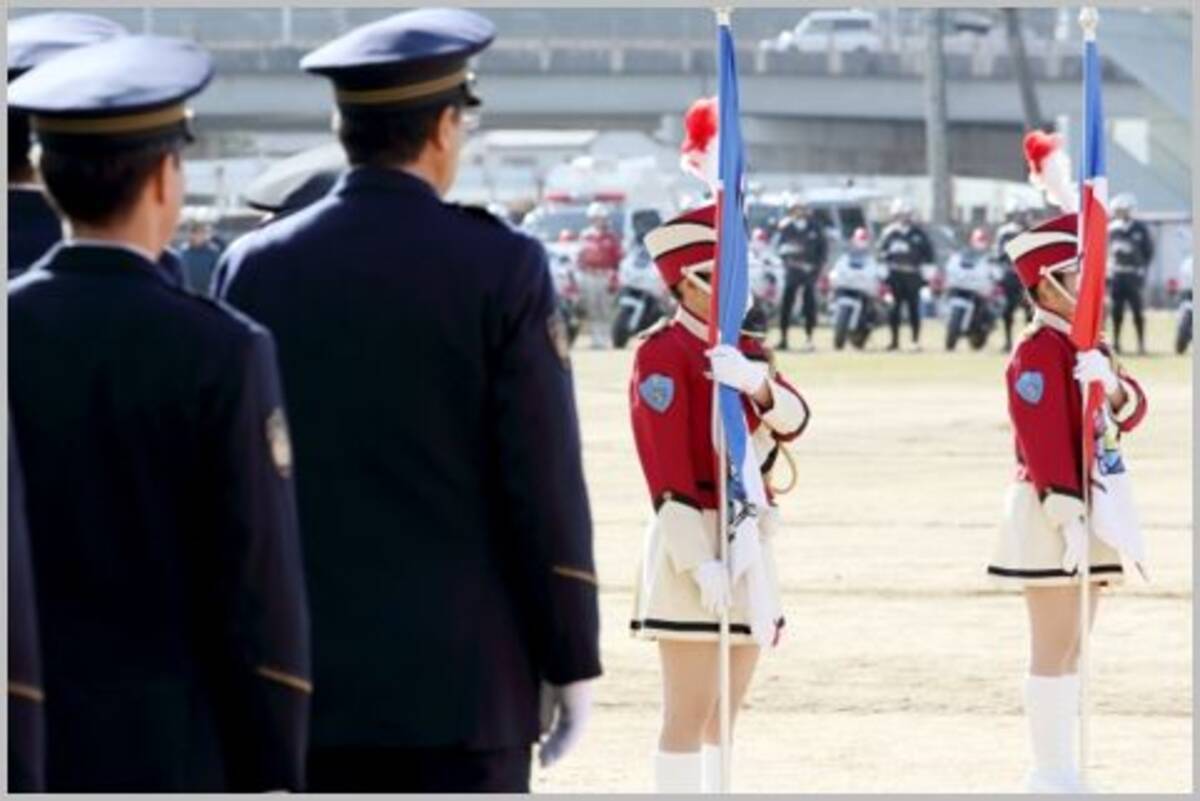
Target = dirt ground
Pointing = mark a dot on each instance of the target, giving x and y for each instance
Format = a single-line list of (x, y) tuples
[(901, 668)]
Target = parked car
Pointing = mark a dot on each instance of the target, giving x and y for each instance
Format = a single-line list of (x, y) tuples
[(846, 31)]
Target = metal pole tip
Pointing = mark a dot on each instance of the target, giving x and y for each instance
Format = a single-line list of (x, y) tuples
[(1089, 18)]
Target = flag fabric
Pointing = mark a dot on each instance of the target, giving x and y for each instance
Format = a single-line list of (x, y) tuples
[(731, 284), (1093, 229)]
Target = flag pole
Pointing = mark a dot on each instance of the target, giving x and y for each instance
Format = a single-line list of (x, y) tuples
[(724, 702), (1089, 18)]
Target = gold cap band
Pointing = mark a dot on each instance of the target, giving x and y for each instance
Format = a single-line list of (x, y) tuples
[(401, 94), (126, 123)]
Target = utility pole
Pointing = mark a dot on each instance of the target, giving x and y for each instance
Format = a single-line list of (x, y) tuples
[(1016, 48), (937, 145)]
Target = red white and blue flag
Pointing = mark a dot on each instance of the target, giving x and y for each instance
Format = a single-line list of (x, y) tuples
[(1093, 224)]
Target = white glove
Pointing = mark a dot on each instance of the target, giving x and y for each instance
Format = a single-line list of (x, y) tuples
[(1092, 365), (572, 709), (731, 368), (713, 580), (1075, 538)]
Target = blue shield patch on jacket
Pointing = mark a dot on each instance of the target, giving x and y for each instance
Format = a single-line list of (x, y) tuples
[(657, 391), (1030, 386)]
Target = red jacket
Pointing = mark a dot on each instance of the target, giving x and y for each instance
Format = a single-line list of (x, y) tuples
[(1045, 405), (601, 250), (671, 407)]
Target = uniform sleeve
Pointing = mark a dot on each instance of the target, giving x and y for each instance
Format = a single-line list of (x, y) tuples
[(26, 721), (1044, 405), (539, 470), (927, 254), (1147, 244), (263, 607), (789, 414), (659, 407), (1130, 415), (822, 249)]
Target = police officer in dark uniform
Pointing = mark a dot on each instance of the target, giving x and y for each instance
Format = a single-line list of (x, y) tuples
[(33, 226), (1132, 250), (803, 248), (170, 590), (26, 721), (904, 247), (1017, 221), (446, 525)]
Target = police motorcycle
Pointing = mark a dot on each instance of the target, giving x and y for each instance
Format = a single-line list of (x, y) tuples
[(971, 286), (1183, 312), (860, 294), (766, 274), (642, 298)]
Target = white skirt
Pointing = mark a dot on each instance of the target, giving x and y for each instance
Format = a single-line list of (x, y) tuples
[(1029, 549), (666, 604)]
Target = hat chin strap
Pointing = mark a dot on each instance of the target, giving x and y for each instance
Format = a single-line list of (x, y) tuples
[(1050, 278)]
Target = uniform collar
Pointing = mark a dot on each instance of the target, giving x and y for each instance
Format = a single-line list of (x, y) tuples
[(1043, 318), (89, 255), (389, 178), (691, 323)]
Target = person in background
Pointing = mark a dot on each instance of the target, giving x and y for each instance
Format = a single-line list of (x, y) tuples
[(199, 257), (599, 266), (33, 224), (904, 247), (1131, 249), (802, 246), (446, 522), (154, 446)]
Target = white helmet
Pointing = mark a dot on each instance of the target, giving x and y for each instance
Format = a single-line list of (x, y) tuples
[(1124, 202), (901, 205), (597, 210)]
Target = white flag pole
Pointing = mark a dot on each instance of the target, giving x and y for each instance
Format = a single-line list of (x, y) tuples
[(1089, 18), (724, 701)]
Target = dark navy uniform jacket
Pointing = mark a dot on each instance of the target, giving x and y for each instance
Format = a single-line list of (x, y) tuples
[(169, 581), (26, 722), (444, 516), (905, 247), (1131, 245), (33, 228)]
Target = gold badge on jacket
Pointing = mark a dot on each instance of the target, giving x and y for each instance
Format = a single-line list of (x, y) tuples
[(281, 445), (560, 339)]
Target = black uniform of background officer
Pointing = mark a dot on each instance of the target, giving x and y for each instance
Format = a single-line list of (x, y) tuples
[(801, 244), (33, 226), (170, 592), (1018, 222), (446, 526), (904, 247), (1132, 250), (26, 721)]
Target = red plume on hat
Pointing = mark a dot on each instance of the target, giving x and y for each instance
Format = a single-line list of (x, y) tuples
[(1050, 169), (699, 149)]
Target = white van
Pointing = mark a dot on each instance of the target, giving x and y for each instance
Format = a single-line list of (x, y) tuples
[(846, 31)]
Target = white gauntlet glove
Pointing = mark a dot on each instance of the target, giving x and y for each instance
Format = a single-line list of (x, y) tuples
[(731, 368), (713, 580), (1092, 365), (572, 707), (1075, 538)]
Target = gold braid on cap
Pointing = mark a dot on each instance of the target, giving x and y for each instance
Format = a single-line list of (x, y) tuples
[(401, 94), (122, 124)]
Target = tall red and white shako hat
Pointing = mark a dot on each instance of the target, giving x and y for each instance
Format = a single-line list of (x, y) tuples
[(685, 246), (1046, 249)]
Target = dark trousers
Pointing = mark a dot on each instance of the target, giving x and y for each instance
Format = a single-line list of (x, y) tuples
[(906, 290), (795, 279), (1014, 298), (1127, 291), (417, 770)]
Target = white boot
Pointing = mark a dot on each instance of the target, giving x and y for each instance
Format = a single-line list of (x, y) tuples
[(1052, 708), (710, 756), (678, 773)]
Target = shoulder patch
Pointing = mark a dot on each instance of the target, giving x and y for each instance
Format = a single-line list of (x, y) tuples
[(1030, 385), (658, 391)]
